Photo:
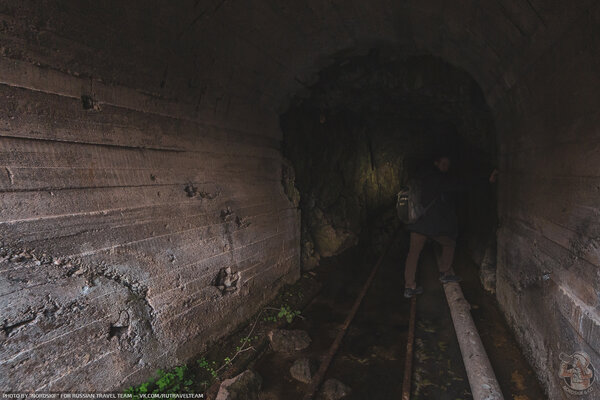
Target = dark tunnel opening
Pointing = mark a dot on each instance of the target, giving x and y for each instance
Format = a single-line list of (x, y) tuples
[(370, 124)]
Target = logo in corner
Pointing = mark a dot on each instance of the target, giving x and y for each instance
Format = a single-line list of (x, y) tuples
[(577, 372)]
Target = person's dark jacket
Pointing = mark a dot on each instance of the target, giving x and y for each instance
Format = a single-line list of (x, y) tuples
[(438, 190)]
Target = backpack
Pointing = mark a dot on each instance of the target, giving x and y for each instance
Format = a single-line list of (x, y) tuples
[(408, 203)]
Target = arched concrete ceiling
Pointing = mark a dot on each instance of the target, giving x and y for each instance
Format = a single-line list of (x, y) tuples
[(275, 47), (231, 51)]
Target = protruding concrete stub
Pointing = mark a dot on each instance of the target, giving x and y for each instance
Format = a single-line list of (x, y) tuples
[(487, 272)]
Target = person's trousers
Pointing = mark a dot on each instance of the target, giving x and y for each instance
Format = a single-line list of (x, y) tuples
[(417, 241)]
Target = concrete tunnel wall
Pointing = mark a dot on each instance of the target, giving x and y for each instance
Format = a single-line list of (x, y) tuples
[(134, 197)]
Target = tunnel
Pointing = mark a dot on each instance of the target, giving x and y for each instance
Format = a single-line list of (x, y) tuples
[(170, 171), (370, 124)]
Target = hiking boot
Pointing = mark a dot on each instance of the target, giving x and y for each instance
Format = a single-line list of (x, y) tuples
[(447, 278), (408, 292)]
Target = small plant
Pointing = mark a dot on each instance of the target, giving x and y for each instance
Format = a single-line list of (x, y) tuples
[(283, 312), (271, 318), (175, 381), (208, 366), (288, 314), (245, 344)]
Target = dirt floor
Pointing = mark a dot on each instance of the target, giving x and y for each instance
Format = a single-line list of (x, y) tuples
[(371, 357)]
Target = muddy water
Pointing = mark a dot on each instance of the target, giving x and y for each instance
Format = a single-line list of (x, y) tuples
[(371, 357)]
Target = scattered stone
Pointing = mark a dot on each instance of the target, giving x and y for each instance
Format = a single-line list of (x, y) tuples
[(334, 389), (288, 341), (244, 386), (301, 370)]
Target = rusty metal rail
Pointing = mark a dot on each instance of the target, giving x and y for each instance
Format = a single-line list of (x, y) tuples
[(482, 380), (409, 350), (315, 383)]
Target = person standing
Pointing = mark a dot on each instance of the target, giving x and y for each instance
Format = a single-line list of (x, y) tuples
[(439, 223)]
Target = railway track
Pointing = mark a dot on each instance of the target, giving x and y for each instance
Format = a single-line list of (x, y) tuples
[(367, 335), (482, 379)]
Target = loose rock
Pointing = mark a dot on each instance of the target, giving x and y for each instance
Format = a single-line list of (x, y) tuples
[(301, 370), (288, 341), (244, 386), (334, 389)]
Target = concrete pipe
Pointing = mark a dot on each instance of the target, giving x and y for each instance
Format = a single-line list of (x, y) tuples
[(483, 382)]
